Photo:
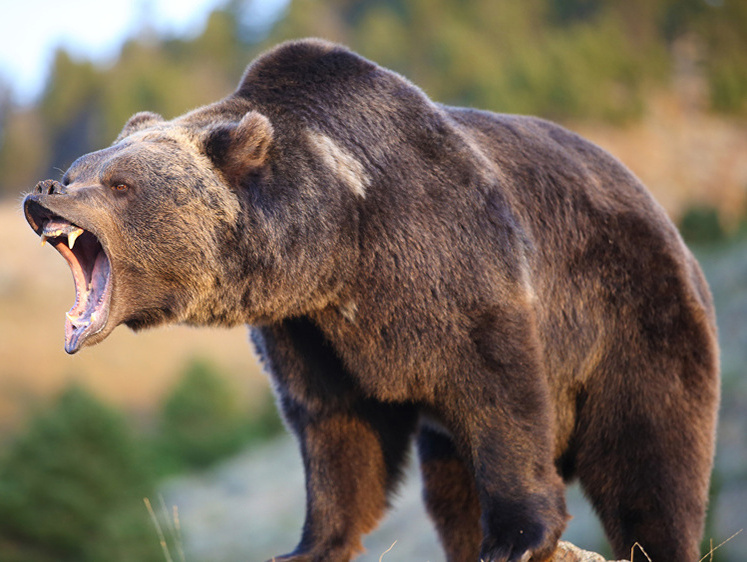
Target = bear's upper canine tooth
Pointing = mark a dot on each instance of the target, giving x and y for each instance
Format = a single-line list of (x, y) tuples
[(72, 236), (43, 239)]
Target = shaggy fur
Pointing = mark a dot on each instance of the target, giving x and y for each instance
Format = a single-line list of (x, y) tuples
[(493, 284)]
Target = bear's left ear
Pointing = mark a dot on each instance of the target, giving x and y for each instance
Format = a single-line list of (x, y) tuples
[(239, 148), (138, 122)]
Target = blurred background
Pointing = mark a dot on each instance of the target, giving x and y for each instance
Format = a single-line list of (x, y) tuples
[(184, 417)]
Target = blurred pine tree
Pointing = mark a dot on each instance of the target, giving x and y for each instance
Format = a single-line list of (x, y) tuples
[(561, 59), (203, 421), (72, 487)]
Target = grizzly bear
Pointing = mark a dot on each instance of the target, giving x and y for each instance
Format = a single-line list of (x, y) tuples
[(492, 286)]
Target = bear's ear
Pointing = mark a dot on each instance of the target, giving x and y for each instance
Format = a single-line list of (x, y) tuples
[(137, 122), (239, 148)]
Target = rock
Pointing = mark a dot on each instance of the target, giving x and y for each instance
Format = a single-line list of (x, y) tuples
[(567, 552)]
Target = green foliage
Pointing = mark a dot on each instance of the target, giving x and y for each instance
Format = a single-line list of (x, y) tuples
[(513, 57), (23, 157), (72, 484), (561, 59), (203, 421), (723, 27), (72, 487), (729, 86), (566, 11), (701, 225)]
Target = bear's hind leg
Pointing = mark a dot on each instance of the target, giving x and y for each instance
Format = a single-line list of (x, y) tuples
[(645, 466)]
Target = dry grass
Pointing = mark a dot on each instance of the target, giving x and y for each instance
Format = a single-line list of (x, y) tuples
[(171, 521), (683, 154), (713, 549)]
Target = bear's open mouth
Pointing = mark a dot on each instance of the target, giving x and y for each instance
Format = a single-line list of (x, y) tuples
[(91, 271)]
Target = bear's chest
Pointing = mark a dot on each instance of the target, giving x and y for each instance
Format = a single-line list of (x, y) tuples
[(399, 356)]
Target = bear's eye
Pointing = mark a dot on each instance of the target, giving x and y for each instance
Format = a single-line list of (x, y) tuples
[(120, 187)]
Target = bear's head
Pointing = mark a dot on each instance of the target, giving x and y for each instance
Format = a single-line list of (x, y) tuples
[(251, 209), (202, 220)]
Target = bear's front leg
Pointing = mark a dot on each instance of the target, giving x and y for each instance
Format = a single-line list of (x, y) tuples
[(520, 495), (352, 460), (353, 448), (522, 498), (502, 419)]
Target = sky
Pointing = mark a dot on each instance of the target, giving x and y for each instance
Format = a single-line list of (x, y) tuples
[(31, 30)]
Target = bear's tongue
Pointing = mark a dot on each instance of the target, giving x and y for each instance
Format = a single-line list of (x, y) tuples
[(91, 271)]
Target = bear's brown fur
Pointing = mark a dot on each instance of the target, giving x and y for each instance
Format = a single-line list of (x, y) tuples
[(493, 285)]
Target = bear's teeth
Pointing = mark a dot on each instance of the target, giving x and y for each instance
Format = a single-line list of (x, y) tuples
[(72, 236), (70, 230), (77, 322)]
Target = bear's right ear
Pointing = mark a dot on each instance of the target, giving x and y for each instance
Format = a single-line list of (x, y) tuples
[(137, 122), (239, 148)]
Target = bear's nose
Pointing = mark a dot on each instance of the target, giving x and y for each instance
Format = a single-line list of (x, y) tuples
[(50, 187)]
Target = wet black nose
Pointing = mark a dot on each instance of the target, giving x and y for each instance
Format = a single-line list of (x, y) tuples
[(50, 187)]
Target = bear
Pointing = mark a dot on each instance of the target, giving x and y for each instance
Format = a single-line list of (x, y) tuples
[(491, 287)]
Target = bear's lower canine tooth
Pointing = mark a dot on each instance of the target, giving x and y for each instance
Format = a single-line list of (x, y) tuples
[(77, 322)]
